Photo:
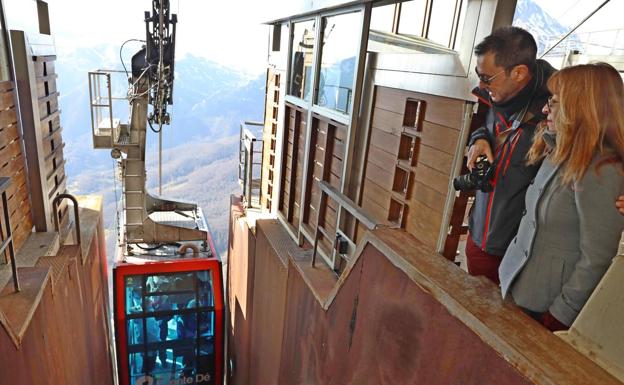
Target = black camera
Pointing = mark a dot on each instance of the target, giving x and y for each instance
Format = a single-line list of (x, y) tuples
[(478, 179)]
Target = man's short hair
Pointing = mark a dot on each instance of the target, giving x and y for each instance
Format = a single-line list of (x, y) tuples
[(511, 46)]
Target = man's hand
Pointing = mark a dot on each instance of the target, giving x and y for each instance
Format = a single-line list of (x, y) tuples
[(482, 147), (619, 203)]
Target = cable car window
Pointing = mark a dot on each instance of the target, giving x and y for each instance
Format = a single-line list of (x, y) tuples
[(134, 298), (170, 327)]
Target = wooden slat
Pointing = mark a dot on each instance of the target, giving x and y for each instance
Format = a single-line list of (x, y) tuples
[(428, 196), (381, 158), (424, 223), (432, 178), (441, 137), (387, 121), (6, 85), (8, 153), (376, 211), (381, 176), (435, 159), (8, 135), (377, 194), (336, 166), (7, 99), (440, 110), (8, 117), (383, 140)]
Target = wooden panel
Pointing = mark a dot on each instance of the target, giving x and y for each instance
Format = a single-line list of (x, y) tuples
[(374, 209), (424, 223), (441, 137), (444, 111), (8, 135), (429, 197), (433, 178), (381, 176), (381, 158), (8, 116), (385, 141), (388, 121), (377, 194), (12, 165), (436, 159)]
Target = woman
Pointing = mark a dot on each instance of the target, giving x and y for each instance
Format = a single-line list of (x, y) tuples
[(569, 232)]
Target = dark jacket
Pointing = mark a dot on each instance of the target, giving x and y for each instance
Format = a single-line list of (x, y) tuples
[(496, 215)]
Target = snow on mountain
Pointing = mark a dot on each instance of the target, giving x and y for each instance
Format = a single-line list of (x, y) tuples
[(546, 29)]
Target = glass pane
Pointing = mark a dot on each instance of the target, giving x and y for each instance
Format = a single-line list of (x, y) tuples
[(151, 368), (134, 289), (206, 324), (204, 283), (135, 332), (340, 43), (412, 17), (441, 23), (382, 18), (460, 26), (205, 358), (301, 60), (186, 326)]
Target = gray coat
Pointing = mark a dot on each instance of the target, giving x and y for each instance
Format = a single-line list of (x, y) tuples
[(566, 240)]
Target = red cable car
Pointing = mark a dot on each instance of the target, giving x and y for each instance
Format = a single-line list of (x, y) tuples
[(169, 321)]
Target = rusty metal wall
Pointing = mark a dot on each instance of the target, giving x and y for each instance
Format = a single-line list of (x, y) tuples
[(382, 329), (66, 341), (241, 259), (433, 325)]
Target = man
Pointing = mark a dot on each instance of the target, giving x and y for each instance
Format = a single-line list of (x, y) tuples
[(512, 84)]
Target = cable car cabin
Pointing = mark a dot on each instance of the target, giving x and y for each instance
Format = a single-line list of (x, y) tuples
[(169, 322)]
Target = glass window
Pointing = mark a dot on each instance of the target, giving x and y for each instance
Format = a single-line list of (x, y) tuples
[(170, 335), (412, 17), (301, 60), (441, 24), (382, 18), (338, 56), (134, 294)]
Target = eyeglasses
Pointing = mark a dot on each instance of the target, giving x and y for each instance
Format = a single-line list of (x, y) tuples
[(551, 102), (487, 80)]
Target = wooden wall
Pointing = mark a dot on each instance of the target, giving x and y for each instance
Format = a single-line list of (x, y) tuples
[(269, 140), (292, 164), (12, 165), (50, 125), (327, 150), (410, 153)]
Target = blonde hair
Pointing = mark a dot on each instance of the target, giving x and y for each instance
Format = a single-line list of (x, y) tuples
[(590, 119)]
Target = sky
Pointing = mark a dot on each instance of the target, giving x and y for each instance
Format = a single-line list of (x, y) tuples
[(228, 32), (571, 12)]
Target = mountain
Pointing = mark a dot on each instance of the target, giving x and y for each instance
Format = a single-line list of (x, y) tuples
[(200, 159), (546, 29)]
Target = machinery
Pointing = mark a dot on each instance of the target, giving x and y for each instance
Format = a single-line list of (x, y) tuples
[(168, 303)]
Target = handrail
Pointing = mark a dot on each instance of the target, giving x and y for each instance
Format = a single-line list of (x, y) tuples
[(55, 204), (8, 242), (349, 205), (345, 202)]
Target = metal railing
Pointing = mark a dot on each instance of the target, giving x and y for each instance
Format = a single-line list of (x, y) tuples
[(340, 241), (105, 129), (250, 164), (55, 204)]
